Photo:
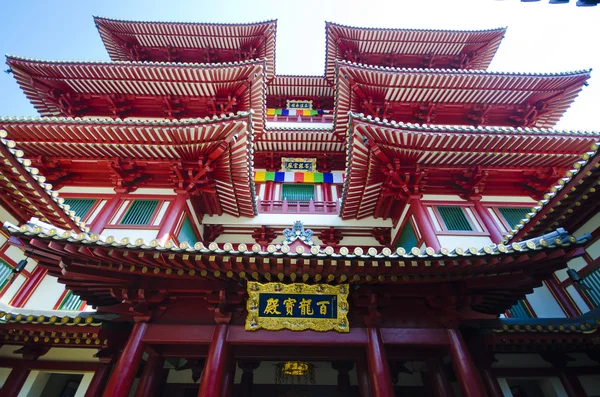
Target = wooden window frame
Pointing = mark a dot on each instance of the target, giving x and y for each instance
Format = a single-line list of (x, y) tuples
[(186, 213), (131, 199), (462, 205), (314, 185), (408, 220), (98, 197), (495, 208)]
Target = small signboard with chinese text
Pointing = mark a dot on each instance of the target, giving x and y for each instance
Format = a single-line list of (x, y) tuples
[(299, 164), (299, 104), (276, 306)]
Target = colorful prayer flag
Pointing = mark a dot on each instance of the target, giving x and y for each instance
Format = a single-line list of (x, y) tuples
[(309, 177), (270, 112), (270, 176), (260, 176), (279, 176), (289, 177), (318, 177)]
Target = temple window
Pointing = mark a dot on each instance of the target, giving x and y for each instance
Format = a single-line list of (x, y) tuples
[(521, 310), (70, 301), (81, 206), (187, 232), (408, 237), (512, 216), (5, 272), (297, 192), (139, 212), (454, 219)]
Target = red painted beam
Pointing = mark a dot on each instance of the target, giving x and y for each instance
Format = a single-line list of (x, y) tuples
[(50, 365), (175, 334), (29, 287), (202, 334), (239, 336)]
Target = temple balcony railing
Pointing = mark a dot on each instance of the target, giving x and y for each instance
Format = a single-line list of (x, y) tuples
[(298, 207), (324, 118)]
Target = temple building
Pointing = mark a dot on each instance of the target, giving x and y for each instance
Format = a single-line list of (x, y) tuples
[(183, 221)]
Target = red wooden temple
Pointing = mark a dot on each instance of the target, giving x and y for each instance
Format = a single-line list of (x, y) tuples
[(438, 236)]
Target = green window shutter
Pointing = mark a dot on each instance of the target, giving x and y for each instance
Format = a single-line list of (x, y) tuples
[(520, 310), (592, 280), (187, 233), (70, 302), (299, 192), (408, 238), (80, 206), (455, 219), (5, 272), (513, 216), (139, 212)]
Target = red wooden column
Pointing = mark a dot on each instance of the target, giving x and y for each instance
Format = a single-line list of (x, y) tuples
[(465, 370), (571, 384), (491, 383), (363, 378), (229, 380), (14, 382), (495, 233), (343, 369), (152, 377), (439, 381), (247, 381), (98, 382), (105, 215), (171, 218), (424, 223), (564, 301), (379, 370), (124, 373), (213, 376)]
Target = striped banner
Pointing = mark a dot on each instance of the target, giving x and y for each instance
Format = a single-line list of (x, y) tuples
[(298, 177), (297, 112)]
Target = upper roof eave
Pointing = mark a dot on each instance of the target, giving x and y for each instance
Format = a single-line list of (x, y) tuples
[(498, 29), (467, 129), (265, 22), (18, 58), (341, 64), (555, 197)]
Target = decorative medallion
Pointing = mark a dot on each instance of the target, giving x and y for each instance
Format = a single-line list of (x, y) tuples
[(298, 232), (297, 307)]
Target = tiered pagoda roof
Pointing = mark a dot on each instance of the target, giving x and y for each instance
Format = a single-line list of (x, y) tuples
[(460, 97), (189, 42), (194, 156), (26, 194), (141, 89), (570, 203), (410, 48), (494, 275), (389, 161)]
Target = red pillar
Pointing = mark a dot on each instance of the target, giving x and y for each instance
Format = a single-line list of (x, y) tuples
[(465, 370), (171, 218), (152, 377), (424, 223), (98, 382), (229, 379), (491, 383), (29, 287), (571, 384), (439, 381), (105, 215), (561, 297), (211, 384), (343, 369), (14, 382), (124, 373), (247, 380), (363, 378), (379, 371), (495, 233)]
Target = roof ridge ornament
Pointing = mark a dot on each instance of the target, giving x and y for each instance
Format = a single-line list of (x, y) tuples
[(298, 232)]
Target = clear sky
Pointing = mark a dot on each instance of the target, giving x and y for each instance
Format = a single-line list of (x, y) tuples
[(540, 38)]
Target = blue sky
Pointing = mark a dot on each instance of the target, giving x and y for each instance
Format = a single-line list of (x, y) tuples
[(540, 37)]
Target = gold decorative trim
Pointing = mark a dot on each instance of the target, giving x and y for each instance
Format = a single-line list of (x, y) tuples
[(255, 322)]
